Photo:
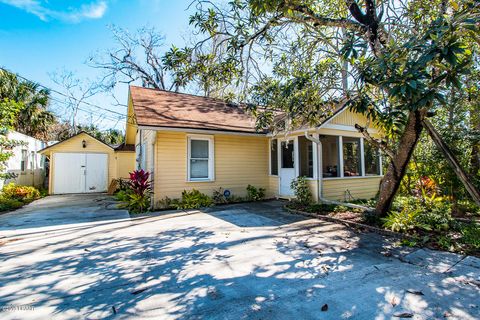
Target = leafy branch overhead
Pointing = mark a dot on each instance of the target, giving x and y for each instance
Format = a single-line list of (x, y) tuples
[(394, 61)]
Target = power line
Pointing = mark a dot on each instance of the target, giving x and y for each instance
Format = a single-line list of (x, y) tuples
[(65, 95)]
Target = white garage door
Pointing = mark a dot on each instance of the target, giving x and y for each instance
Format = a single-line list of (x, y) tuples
[(80, 172)]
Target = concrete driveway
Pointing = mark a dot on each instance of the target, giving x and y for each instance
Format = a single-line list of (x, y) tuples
[(72, 257)]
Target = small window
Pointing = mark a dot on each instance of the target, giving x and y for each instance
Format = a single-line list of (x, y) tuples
[(372, 159), (274, 157), (351, 157), (23, 161), (287, 154), (330, 157), (200, 159), (305, 148)]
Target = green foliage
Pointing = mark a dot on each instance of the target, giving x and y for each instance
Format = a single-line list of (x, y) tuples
[(255, 194), (20, 193), (430, 214), (7, 204), (138, 203), (301, 190), (409, 242), (123, 195), (33, 118), (13, 196), (401, 221), (193, 199), (471, 235)]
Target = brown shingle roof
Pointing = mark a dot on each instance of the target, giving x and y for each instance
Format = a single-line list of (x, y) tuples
[(158, 108)]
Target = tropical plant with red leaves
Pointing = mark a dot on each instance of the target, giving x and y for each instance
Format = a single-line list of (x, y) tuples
[(139, 182), (140, 190)]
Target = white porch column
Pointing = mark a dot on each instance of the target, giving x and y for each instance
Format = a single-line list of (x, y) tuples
[(362, 158), (340, 156)]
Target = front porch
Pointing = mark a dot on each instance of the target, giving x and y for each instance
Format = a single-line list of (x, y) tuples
[(339, 166)]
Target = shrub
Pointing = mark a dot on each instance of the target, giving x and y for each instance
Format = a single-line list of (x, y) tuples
[(401, 221), (123, 195), (193, 199), (471, 235), (10, 204), (137, 197), (254, 194), (21, 193), (430, 213), (138, 203), (301, 190)]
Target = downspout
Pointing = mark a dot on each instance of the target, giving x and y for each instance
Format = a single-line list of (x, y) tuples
[(320, 180)]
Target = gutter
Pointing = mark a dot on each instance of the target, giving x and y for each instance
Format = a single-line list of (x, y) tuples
[(318, 143)]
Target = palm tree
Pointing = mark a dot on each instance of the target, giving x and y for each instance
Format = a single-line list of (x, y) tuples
[(34, 118)]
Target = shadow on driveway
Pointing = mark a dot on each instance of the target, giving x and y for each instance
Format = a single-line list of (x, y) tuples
[(232, 262)]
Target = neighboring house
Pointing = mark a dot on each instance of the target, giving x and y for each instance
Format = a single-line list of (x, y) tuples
[(188, 142), (83, 164), (27, 165)]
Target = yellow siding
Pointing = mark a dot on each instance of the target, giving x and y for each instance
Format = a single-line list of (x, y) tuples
[(131, 127), (359, 188), (313, 184), (125, 164), (272, 190), (239, 161), (349, 118)]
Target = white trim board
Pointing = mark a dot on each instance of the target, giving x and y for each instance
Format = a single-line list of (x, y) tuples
[(202, 131)]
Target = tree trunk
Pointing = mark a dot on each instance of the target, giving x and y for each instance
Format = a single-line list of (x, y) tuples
[(475, 157), (398, 165)]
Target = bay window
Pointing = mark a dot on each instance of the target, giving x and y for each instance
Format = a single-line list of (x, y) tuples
[(200, 158)]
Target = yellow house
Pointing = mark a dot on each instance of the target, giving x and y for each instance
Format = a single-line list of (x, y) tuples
[(83, 164), (189, 142)]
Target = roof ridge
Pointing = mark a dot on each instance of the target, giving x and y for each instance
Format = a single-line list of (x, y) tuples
[(190, 94)]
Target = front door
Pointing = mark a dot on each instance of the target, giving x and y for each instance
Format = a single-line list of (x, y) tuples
[(287, 167)]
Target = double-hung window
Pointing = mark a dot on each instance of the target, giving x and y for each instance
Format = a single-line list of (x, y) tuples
[(24, 160), (200, 158)]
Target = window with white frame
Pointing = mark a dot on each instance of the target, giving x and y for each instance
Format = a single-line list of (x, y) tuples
[(200, 158), (349, 157), (24, 160), (372, 159), (274, 157), (305, 154)]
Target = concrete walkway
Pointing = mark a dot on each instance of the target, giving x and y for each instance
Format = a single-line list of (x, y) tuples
[(249, 261)]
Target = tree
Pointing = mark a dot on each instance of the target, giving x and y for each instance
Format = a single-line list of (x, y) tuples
[(9, 110), (33, 118), (399, 59), (75, 93), (136, 57)]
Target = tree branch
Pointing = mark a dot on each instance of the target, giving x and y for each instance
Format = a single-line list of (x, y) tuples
[(382, 145)]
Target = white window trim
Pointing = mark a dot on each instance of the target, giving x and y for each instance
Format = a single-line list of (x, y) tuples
[(362, 161), (211, 157)]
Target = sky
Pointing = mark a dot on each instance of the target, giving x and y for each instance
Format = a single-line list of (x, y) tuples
[(40, 37)]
